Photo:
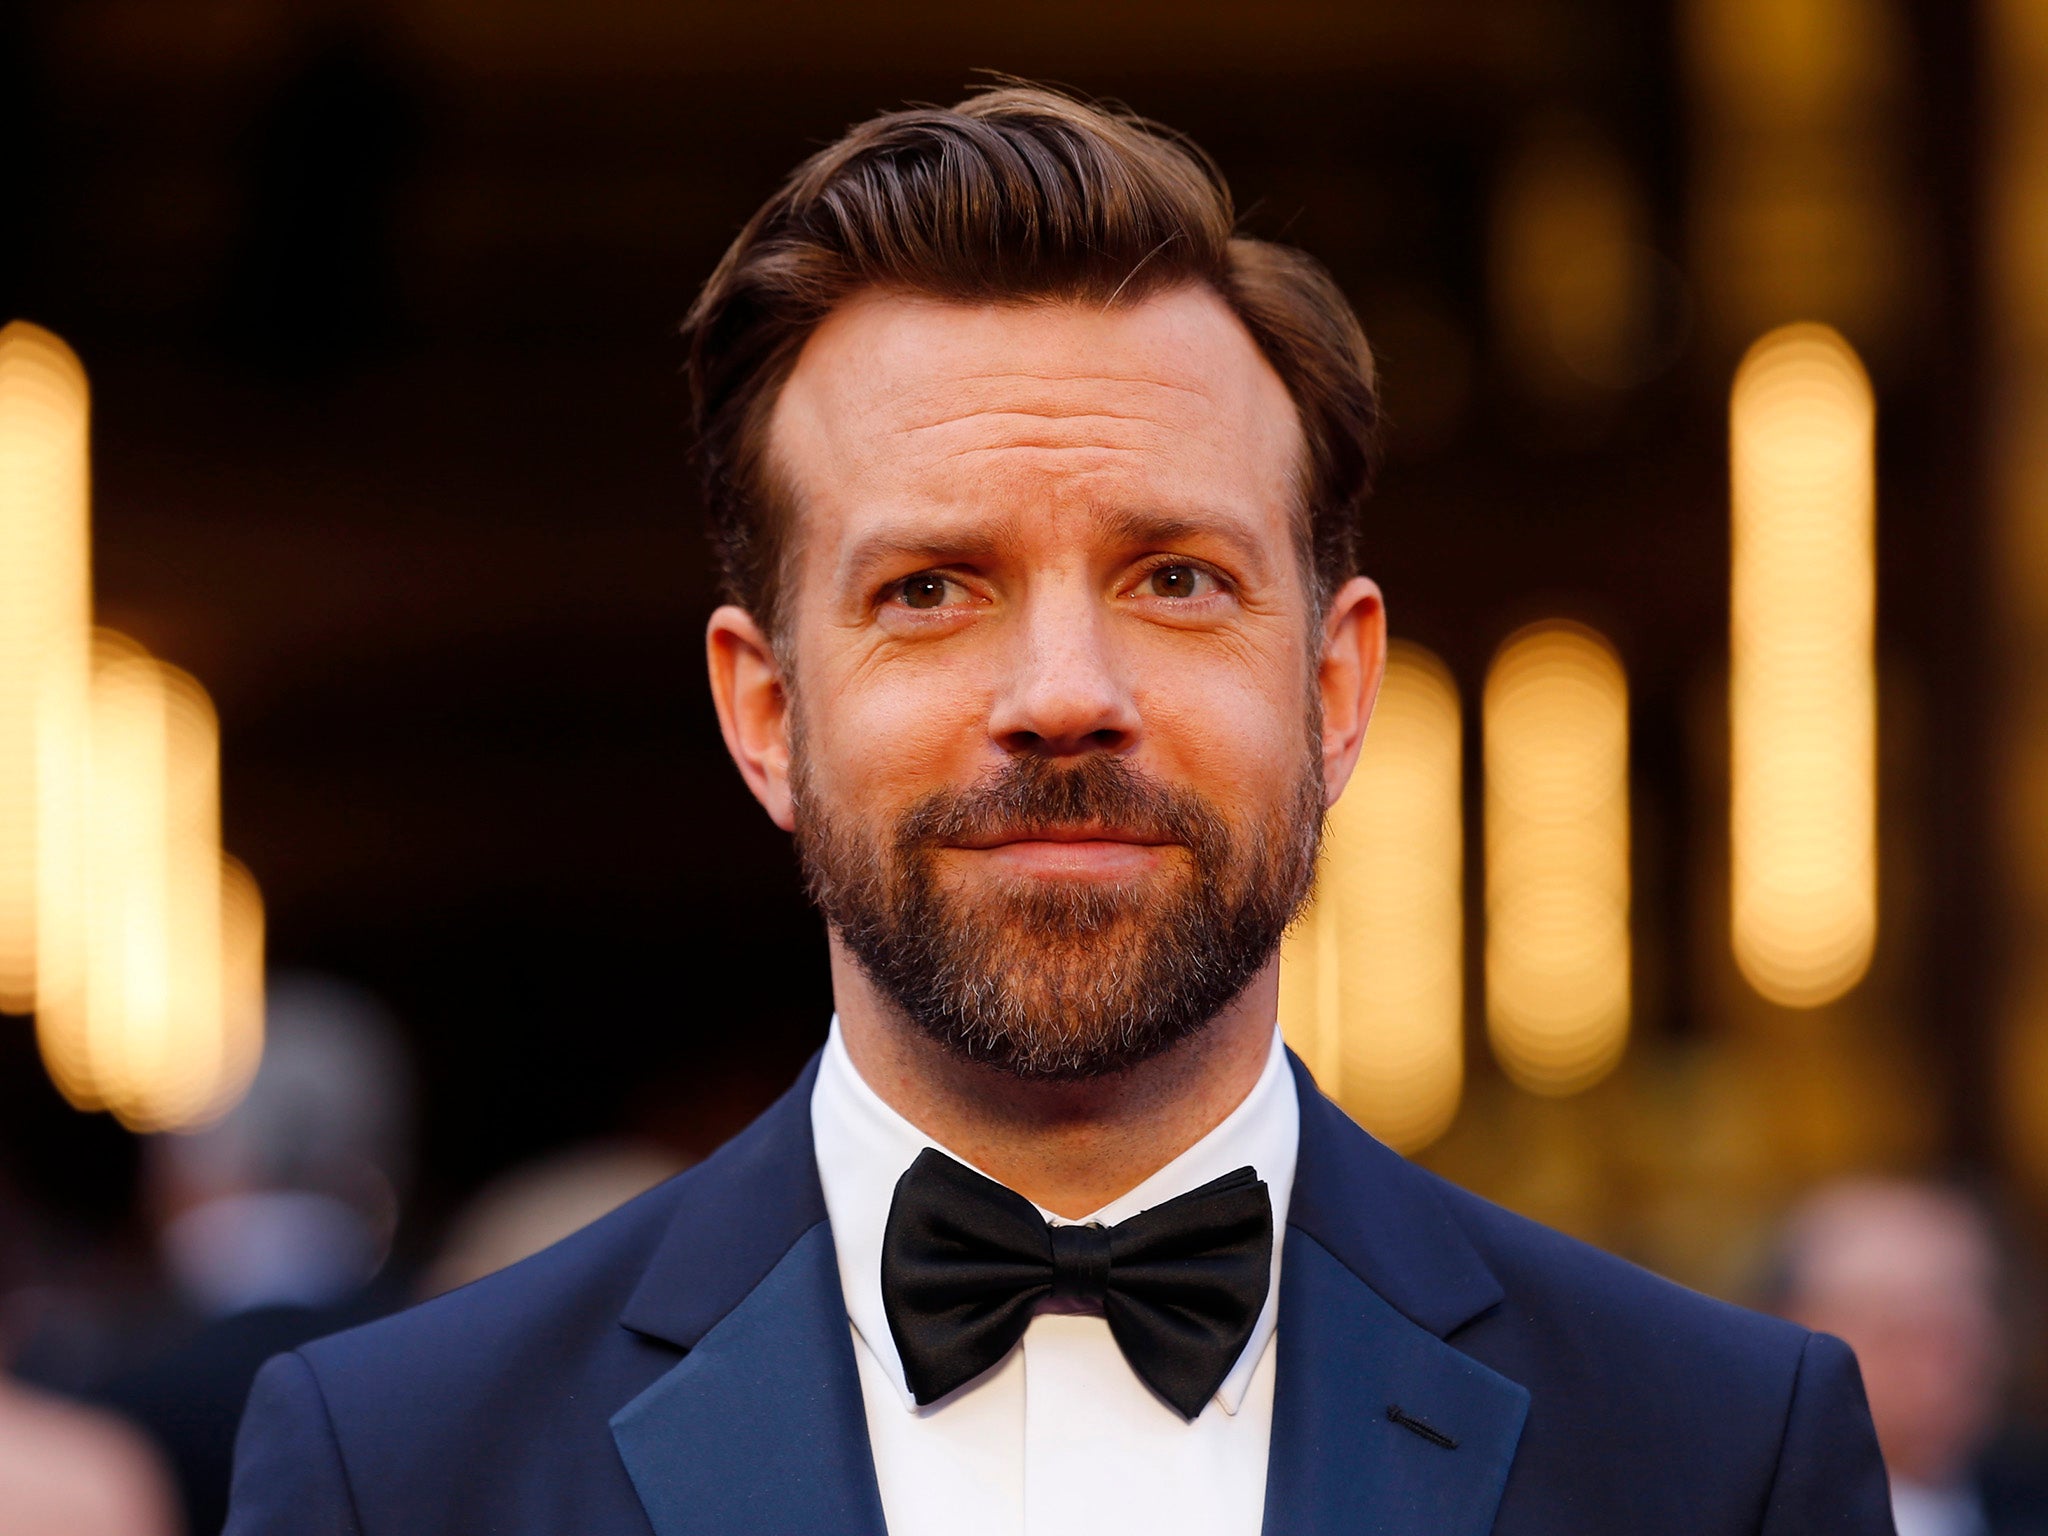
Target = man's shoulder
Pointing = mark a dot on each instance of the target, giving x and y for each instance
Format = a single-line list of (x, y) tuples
[(1535, 1303), (474, 1406), (1653, 1407), (532, 1305), (663, 1265), (1564, 1299)]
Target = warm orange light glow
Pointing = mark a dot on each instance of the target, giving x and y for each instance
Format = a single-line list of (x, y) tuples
[(136, 1024), (1557, 851), (1572, 272), (1802, 666), (45, 620), (2014, 49), (1798, 209), (242, 976), (1372, 978)]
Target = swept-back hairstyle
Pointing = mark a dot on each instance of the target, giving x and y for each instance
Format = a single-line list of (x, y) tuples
[(1018, 193)]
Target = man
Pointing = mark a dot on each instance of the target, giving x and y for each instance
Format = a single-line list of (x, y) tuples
[(1911, 1274), (1036, 492)]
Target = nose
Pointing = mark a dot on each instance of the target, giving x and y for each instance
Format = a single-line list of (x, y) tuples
[(1065, 693)]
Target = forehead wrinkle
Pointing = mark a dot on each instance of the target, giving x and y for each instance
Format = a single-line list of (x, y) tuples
[(1020, 414), (955, 401), (1076, 439), (1065, 459), (1084, 377)]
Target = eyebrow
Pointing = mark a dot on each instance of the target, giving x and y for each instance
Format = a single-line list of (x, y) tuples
[(1136, 526), (890, 546)]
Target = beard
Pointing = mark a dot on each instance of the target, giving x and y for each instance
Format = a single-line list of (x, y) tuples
[(1062, 980)]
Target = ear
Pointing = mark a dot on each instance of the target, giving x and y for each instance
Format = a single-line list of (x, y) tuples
[(753, 707), (1354, 661)]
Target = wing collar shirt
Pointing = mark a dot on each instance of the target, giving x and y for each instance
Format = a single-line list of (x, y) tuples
[(1060, 1436)]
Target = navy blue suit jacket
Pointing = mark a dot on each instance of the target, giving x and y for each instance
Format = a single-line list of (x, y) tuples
[(684, 1367)]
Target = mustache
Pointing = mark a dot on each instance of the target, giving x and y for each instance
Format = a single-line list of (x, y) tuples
[(1030, 795)]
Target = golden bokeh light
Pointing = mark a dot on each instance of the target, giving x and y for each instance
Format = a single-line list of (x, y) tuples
[(1802, 666), (45, 623), (1573, 276), (131, 1015), (243, 927), (139, 951), (1372, 977), (1555, 721)]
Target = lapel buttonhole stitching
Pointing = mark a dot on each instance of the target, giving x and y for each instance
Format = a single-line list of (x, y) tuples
[(1429, 1432)]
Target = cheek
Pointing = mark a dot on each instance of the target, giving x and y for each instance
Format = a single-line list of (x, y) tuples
[(1238, 735), (880, 737)]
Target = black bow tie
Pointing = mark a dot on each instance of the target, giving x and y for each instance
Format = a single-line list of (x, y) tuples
[(964, 1261)]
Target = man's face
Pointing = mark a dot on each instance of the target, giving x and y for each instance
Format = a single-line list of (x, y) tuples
[(1055, 764), (1907, 1276)]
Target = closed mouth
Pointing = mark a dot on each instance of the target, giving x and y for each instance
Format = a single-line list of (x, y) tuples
[(1061, 834)]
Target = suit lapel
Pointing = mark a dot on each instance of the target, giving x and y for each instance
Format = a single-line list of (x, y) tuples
[(759, 1428), (1341, 1460), (1379, 1425)]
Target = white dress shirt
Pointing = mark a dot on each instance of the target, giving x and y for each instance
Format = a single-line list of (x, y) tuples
[(1059, 1438)]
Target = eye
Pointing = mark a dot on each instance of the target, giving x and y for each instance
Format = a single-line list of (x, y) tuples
[(927, 589), (1178, 581)]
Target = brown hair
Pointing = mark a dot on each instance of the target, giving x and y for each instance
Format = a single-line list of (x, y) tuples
[(1018, 193)]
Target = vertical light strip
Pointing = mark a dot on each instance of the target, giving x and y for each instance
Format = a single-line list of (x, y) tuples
[(90, 947), (1802, 666), (139, 951), (128, 938), (45, 622), (1372, 979), (188, 1085), (2015, 52), (139, 1027), (1557, 857), (242, 971)]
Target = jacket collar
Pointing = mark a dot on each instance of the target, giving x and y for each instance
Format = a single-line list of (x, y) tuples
[(1380, 1216), (1378, 1423), (759, 1428), (737, 1213)]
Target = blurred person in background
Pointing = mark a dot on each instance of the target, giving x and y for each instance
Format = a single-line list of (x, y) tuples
[(1037, 491), (273, 1225), (67, 1469), (539, 1203), (1911, 1275)]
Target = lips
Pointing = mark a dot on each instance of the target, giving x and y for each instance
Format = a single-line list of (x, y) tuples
[(1071, 853), (1062, 834)]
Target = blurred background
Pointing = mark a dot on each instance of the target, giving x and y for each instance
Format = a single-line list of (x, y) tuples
[(1693, 895)]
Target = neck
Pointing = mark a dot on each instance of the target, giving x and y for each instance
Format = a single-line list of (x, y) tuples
[(1069, 1147)]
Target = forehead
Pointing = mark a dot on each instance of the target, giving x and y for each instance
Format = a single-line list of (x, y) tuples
[(906, 403)]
